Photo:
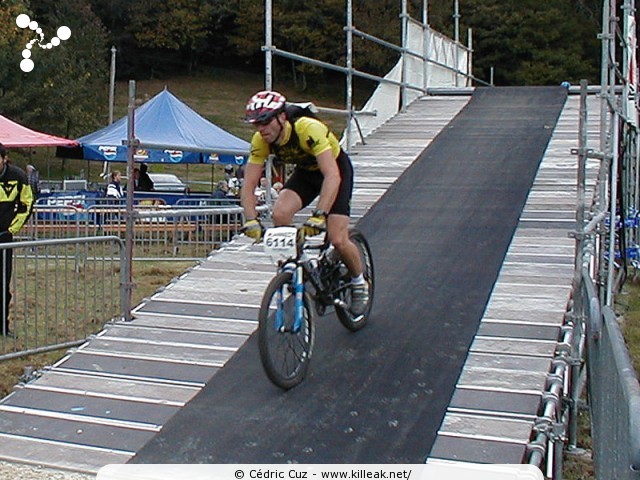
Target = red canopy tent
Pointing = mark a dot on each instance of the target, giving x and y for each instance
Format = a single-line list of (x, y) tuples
[(14, 135)]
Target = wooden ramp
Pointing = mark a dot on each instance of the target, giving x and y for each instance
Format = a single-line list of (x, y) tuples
[(103, 401), (439, 236)]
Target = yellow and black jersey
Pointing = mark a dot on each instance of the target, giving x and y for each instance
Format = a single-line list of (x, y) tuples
[(302, 142), (16, 199)]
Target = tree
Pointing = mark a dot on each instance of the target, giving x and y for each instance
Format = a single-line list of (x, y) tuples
[(380, 19), (315, 31), (12, 42), (178, 25), (533, 43), (526, 41), (246, 36), (65, 93), (223, 23)]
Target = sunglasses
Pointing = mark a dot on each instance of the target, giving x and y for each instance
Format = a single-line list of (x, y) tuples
[(263, 123)]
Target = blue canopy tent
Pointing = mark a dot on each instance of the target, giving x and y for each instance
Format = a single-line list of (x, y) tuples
[(169, 132)]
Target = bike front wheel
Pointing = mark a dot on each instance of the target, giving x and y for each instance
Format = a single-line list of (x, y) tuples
[(348, 319), (285, 343)]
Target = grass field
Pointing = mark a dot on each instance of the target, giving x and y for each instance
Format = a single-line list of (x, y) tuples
[(629, 306)]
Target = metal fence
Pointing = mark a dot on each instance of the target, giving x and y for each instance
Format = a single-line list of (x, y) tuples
[(159, 231), (592, 351), (71, 266), (613, 389), (60, 292), (614, 398)]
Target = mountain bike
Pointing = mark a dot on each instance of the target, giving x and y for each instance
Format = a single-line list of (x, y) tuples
[(311, 280)]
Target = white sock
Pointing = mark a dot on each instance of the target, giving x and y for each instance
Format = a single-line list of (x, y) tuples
[(359, 280)]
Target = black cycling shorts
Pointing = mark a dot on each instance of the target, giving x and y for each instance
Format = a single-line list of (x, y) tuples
[(307, 184)]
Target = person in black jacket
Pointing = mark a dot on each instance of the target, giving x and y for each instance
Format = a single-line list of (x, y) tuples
[(33, 176), (16, 202), (143, 180)]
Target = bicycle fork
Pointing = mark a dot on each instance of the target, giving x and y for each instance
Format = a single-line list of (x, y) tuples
[(298, 309), (298, 282)]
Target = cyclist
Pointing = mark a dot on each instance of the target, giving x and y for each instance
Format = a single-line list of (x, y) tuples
[(322, 169)]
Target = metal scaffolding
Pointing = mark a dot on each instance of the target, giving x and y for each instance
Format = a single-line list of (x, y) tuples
[(427, 61), (607, 245)]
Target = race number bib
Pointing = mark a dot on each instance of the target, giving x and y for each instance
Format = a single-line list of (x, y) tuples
[(280, 243)]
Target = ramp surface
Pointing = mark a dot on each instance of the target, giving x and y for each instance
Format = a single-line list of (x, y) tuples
[(439, 236)]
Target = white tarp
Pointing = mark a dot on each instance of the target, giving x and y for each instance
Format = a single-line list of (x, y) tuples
[(632, 72), (386, 101)]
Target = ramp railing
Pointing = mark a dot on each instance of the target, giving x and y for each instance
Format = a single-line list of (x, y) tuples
[(607, 243)]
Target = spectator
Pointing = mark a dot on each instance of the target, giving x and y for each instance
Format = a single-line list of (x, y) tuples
[(234, 180), (261, 192), (16, 202), (144, 182), (114, 189), (240, 173), (234, 187), (228, 172), (222, 191), (33, 177)]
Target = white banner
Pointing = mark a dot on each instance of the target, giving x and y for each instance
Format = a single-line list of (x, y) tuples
[(385, 100), (631, 74), (430, 471)]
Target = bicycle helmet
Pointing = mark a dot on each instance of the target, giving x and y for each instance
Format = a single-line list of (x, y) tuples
[(263, 106)]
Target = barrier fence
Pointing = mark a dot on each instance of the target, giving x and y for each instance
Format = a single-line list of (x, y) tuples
[(61, 291), (614, 398), (182, 231), (69, 272)]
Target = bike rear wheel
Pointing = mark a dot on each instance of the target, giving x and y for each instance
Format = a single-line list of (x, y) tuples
[(348, 319), (285, 345)]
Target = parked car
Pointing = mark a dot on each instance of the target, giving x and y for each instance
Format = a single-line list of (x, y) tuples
[(168, 182)]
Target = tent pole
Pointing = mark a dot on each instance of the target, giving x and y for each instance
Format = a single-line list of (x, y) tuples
[(112, 91), (112, 83)]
